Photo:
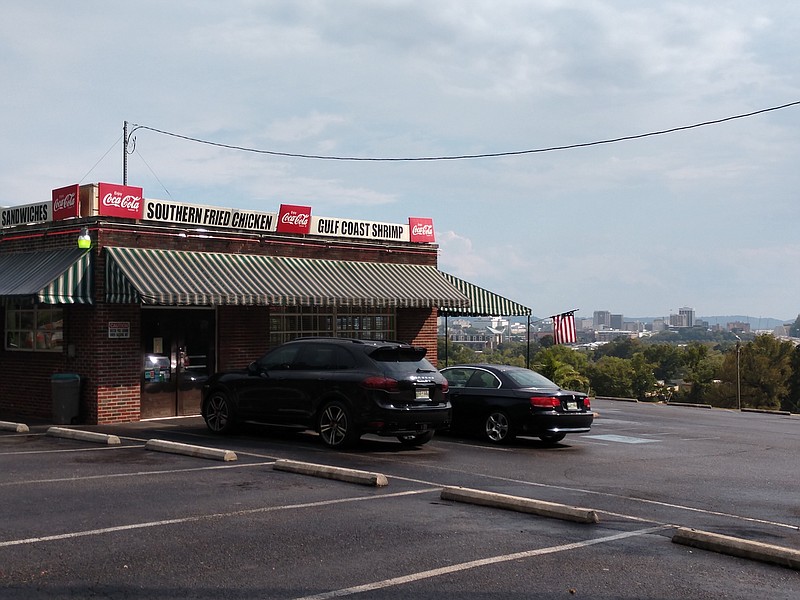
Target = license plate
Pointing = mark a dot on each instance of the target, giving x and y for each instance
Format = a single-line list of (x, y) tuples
[(423, 394), (572, 406)]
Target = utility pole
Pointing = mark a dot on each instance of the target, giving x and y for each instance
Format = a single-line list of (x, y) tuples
[(125, 153), (738, 373)]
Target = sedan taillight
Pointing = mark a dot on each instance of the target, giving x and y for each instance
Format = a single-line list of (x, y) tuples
[(587, 404), (545, 401), (381, 383)]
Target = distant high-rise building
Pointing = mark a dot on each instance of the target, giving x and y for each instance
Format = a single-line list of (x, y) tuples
[(616, 322), (689, 313), (602, 320)]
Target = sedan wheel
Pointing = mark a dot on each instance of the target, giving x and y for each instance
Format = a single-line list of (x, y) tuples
[(497, 428), (218, 413), (336, 427), (416, 440)]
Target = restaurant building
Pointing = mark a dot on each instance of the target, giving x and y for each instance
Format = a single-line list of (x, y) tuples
[(141, 299)]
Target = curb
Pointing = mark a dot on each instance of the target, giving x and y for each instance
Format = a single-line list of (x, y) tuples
[(778, 555), (763, 411), (688, 405), (338, 473), (86, 436), (519, 504), (613, 398), (15, 427), (189, 450)]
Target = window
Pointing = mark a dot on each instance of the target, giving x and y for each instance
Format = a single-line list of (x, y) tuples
[(34, 328), (288, 323)]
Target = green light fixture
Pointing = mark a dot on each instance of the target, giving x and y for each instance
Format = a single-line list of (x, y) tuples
[(84, 239)]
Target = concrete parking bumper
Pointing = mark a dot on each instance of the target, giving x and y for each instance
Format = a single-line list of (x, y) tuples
[(520, 504), (777, 555), (85, 436), (15, 427), (338, 473), (191, 450)]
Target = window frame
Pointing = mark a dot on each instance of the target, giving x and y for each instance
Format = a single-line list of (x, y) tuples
[(35, 327)]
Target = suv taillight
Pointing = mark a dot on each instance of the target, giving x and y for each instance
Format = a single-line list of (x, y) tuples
[(381, 383), (545, 401)]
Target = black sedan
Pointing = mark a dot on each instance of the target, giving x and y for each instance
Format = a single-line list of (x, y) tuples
[(501, 402)]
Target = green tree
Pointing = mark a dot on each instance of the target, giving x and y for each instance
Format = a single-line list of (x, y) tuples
[(621, 347), (612, 376), (766, 369), (765, 373), (667, 360), (456, 353), (701, 366), (643, 381), (564, 366), (792, 402)]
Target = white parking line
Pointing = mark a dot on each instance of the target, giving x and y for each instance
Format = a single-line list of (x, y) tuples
[(64, 450), (622, 439), (474, 564), (135, 474), (180, 521)]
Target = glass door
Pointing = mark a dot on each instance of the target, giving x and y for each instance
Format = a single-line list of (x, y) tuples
[(177, 357)]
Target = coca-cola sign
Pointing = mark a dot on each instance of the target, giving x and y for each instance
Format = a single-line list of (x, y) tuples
[(294, 219), (120, 201), (421, 230), (65, 202)]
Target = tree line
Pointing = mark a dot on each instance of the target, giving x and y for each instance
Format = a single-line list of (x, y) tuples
[(762, 372)]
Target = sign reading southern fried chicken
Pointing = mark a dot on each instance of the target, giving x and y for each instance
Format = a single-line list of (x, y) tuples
[(166, 211)]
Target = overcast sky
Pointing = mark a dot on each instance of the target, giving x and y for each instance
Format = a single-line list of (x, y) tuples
[(707, 217)]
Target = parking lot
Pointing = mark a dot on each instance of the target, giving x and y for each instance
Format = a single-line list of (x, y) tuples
[(85, 518)]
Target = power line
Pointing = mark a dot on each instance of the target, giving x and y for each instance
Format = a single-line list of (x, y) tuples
[(473, 156)]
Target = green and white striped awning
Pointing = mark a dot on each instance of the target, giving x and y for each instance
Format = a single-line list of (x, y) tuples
[(176, 277), (61, 276), (482, 302)]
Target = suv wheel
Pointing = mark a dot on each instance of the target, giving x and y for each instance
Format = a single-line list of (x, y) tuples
[(218, 413), (416, 440), (336, 426), (497, 427)]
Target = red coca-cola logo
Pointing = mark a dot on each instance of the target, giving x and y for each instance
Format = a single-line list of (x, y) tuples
[(130, 203), (120, 201), (65, 202), (421, 230), (294, 219)]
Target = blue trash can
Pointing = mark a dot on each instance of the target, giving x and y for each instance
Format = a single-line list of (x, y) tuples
[(66, 390)]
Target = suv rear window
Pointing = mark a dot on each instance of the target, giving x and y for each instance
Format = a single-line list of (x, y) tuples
[(403, 360)]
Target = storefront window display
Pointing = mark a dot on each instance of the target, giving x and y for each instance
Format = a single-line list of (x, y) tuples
[(289, 323), (34, 328)]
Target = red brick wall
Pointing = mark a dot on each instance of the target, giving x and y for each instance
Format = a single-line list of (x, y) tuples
[(243, 335), (418, 326)]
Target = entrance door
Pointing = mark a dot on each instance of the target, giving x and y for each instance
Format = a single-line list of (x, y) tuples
[(178, 356)]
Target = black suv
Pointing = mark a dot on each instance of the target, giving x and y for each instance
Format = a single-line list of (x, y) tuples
[(342, 388)]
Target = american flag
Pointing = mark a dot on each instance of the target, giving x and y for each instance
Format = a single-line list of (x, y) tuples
[(564, 328)]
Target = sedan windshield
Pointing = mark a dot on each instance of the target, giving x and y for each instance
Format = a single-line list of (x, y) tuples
[(526, 378)]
